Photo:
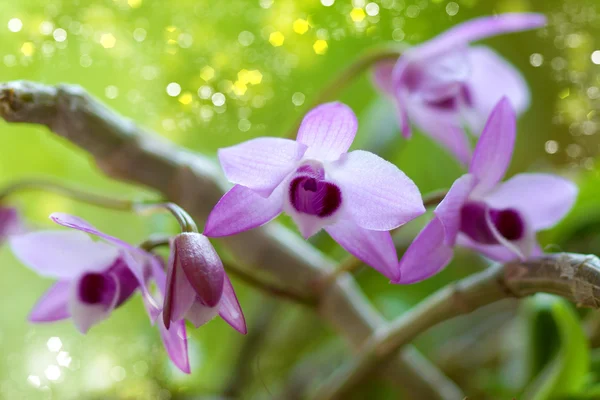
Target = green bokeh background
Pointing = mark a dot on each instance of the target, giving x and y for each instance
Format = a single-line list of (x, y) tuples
[(127, 52)]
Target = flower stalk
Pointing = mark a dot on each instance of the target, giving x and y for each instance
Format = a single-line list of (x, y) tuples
[(138, 206)]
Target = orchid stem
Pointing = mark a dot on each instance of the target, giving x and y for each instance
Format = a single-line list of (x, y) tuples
[(434, 198), (67, 191), (186, 222), (331, 91), (573, 276), (153, 242), (183, 218)]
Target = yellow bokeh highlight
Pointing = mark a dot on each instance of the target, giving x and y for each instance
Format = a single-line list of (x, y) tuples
[(357, 14), (207, 73), (300, 26), (134, 3), (186, 98), (171, 28), (239, 88), (28, 49), (320, 46), (108, 40), (253, 77), (276, 38)]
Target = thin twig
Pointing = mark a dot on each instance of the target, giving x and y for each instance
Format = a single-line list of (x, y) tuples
[(70, 191), (573, 276), (270, 288), (347, 76)]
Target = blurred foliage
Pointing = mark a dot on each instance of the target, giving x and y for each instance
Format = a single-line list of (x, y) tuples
[(209, 74)]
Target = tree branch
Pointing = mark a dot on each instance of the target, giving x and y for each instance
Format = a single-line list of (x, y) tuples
[(125, 151), (575, 277)]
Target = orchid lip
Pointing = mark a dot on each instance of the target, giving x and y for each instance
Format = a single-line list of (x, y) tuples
[(311, 194), (508, 222), (98, 288)]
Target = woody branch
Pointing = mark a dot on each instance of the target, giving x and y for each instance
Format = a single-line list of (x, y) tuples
[(271, 253)]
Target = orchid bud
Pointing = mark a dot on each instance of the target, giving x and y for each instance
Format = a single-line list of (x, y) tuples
[(195, 273), (201, 265)]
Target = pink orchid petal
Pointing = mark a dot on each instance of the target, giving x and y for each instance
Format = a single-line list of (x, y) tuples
[(477, 29), (261, 164), (443, 126), (62, 254), (494, 149), (401, 96), (135, 257), (230, 309), (448, 211), (73, 222), (442, 77), (175, 341), (328, 130), (375, 248), (542, 198), (242, 209), (427, 255), (382, 76), (375, 192), (86, 315), (403, 119), (180, 294), (308, 225), (53, 305), (199, 314), (491, 78)]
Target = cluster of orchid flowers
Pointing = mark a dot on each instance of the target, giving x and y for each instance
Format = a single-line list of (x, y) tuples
[(443, 86)]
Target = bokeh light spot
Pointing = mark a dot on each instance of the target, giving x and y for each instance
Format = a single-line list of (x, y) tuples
[(300, 26), (320, 46), (108, 40), (15, 25), (54, 344), (28, 49), (357, 14), (173, 89), (276, 38), (207, 73)]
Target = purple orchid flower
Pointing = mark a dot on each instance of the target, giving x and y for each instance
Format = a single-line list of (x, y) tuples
[(496, 219), (94, 278), (9, 222), (356, 197), (444, 83), (197, 287)]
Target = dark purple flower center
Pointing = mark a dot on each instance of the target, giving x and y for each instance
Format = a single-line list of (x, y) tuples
[(93, 287), (508, 223), (99, 288), (311, 194)]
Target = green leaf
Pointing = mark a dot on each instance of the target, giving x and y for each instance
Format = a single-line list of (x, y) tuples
[(559, 356)]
